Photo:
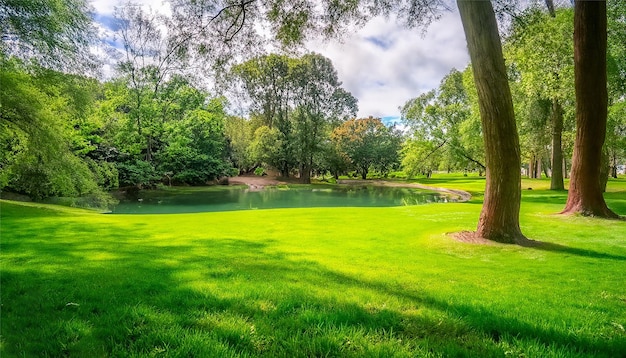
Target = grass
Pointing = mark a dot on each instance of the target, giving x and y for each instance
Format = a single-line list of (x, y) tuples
[(320, 282)]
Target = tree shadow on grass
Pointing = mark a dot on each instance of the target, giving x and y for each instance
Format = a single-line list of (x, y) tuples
[(72, 294), (558, 248)]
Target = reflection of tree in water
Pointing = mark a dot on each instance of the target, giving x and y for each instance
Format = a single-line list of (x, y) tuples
[(229, 199)]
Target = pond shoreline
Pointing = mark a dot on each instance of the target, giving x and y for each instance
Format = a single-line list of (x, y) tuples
[(258, 183)]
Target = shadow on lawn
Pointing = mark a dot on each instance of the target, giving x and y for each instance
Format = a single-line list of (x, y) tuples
[(66, 292), (552, 247)]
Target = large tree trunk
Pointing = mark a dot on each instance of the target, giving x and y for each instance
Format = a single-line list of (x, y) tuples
[(499, 218), (604, 170), (590, 38), (556, 181)]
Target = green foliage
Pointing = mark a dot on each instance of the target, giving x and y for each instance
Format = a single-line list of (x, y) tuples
[(302, 98), (540, 52), (269, 146), (105, 173), (136, 172), (445, 127), (541, 48), (194, 150), (259, 171), (368, 144), (54, 33), (40, 110), (239, 133)]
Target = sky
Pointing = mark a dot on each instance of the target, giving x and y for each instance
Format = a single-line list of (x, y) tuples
[(382, 64)]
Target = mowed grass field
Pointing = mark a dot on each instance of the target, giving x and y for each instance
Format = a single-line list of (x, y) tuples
[(321, 282)]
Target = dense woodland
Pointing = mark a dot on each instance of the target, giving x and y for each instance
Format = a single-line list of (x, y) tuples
[(66, 132)]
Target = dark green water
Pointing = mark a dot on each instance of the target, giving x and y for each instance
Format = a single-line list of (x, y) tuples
[(190, 200)]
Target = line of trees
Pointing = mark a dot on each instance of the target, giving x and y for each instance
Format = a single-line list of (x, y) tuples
[(444, 123)]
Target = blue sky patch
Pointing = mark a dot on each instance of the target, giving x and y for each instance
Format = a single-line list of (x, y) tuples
[(107, 21), (380, 42)]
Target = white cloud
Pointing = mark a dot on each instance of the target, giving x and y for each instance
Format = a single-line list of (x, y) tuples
[(384, 64)]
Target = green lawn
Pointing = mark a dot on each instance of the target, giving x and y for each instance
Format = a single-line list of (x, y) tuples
[(313, 282)]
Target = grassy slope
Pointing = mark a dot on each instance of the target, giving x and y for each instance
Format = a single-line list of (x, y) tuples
[(313, 282)]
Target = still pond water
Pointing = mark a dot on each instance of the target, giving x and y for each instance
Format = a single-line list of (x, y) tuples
[(191, 200)]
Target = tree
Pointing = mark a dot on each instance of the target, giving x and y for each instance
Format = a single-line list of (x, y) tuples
[(239, 133), (300, 97), (590, 48), (540, 48), (442, 127), (499, 218), (267, 84), (40, 118), (268, 145), (368, 144), (319, 102), (616, 73), (195, 147), (151, 58)]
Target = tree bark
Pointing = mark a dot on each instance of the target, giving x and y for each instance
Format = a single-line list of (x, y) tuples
[(499, 218), (305, 173), (538, 168), (556, 181), (604, 170), (590, 41)]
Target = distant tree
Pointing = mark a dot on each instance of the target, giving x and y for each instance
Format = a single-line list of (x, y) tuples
[(441, 128), (268, 146), (150, 59), (239, 133), (195, 147), (319, 103), (540, 48), (267, 85), (368, 143), (300, 97), (616, 73)]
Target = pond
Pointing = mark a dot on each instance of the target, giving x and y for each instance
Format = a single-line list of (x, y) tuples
[(191, 200)]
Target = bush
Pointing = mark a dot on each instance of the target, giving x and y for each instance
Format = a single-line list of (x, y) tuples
[(137, 173), (97, 200), (259, 171)]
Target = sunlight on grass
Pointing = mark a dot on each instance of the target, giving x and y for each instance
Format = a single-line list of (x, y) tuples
[(313, 282)]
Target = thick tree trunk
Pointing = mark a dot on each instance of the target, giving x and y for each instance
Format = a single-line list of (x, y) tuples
[(604, 170), (556, 182), (499, 218), (590, 39)]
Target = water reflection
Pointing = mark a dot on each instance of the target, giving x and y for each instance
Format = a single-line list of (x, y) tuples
[(237, 198)]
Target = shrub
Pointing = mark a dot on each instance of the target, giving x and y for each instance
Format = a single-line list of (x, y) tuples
[(259, 171)]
